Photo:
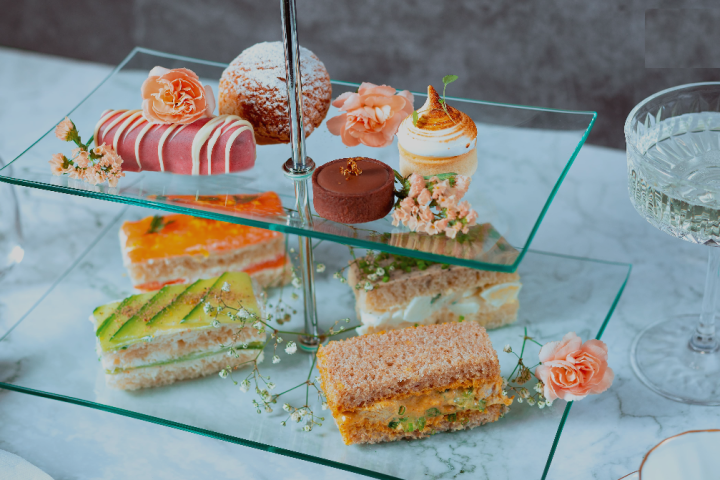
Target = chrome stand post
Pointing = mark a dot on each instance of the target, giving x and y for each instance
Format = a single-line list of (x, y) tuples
[(299, 168)]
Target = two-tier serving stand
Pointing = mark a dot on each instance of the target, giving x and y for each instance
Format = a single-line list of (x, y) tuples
[(524, 155)]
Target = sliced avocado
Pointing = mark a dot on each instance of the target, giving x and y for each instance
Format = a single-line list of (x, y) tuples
[(124, 311), (102, 313), (138, 326), (240, 294), (170, 317)]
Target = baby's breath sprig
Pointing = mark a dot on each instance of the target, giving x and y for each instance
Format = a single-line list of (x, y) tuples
[(265, 400), (377, 267), (521, 375)]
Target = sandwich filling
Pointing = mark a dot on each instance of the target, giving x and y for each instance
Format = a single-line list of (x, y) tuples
[(421, 411), (421, 309)]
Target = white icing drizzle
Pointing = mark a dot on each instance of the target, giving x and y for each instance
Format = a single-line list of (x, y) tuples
[(161, 143), (118, 133), (142, 133), (134, 126), (103, 118), (200, 138), (213, 141), (231, 140), (180, 130), (205, 133)]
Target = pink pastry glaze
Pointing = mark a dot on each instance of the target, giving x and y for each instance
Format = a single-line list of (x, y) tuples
[(177, 148)]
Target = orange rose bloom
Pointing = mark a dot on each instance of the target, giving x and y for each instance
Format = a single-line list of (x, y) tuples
[(572, 370), (373, 115), (175, 96)]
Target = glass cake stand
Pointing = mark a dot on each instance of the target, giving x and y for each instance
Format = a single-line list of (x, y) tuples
[(51, 353), (524, 154)]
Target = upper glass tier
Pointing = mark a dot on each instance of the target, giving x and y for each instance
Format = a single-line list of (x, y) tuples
[(524, 154)]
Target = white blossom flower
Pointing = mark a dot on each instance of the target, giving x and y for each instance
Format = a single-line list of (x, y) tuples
[(324, 406), (295, 417), (391, 268), (548, 403), (243, 313), (276, 359), (368, 286), (258, 325), (524, 392), (290, 348), (225, 287), (268, 409), (307, 428), (380, 271), (504, 393), (223, 373), (320, 267), (279, 339), (372, 277), (531, 401), (245, 385), (283, 423), (539, 387), (541, 404), (507, 348), (271, 386), (519, 400), (207, 308), (219, 309), (215, 323), (296, 282), (294, 296), (287, 407), (318, 379), (337, 275)]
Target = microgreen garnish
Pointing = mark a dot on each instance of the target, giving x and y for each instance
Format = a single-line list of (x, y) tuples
[(415, 117), (158, 223), (447, 80)]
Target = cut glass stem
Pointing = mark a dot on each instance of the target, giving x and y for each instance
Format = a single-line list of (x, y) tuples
[(704, 339)]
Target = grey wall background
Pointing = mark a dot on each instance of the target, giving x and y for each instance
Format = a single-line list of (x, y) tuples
[(602, 55)]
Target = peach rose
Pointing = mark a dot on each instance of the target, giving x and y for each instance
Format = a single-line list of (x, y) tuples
[(572, 370), (175, 96), (373, 115)]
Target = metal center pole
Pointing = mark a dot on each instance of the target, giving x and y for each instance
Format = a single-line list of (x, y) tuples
[(299, 168)]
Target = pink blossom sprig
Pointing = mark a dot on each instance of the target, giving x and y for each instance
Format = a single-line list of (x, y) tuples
[(432, 204), (91, 165)]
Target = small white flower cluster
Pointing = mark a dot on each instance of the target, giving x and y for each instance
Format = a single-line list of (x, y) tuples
[(225, 287), (507, 348), (296, 282), (320, 268), (290, 348), (339, 276)]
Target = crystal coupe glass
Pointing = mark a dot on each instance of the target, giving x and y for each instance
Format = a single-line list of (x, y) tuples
[(673, 158)]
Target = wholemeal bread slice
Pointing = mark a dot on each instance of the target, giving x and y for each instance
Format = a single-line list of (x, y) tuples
[(412, 382), (370, 368)]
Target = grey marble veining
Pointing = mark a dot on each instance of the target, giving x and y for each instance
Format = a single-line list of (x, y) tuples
[(605, 437)]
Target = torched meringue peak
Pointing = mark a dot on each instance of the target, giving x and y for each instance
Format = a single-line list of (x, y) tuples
[(436, 135)]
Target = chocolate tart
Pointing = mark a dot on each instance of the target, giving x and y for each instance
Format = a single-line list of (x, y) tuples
[(349, 197)]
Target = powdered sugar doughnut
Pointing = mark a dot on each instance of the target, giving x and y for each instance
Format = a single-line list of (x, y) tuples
[(253, 87)]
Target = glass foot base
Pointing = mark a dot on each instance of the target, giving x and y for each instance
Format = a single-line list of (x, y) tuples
[(664, 361)]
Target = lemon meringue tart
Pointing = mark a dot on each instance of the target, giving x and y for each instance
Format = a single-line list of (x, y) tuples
[(440, 142)]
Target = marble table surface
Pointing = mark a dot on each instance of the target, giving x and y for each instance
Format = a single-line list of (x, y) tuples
[(605, 437)]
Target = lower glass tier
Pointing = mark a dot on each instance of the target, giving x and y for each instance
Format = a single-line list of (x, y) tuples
[(51, 353)]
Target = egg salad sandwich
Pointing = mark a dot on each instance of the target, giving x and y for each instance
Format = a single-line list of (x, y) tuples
[(393, 291)]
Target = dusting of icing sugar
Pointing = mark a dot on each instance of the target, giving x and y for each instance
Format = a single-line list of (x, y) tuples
[(257, 77)]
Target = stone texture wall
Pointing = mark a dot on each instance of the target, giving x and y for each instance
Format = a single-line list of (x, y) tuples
[(585, 55)]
